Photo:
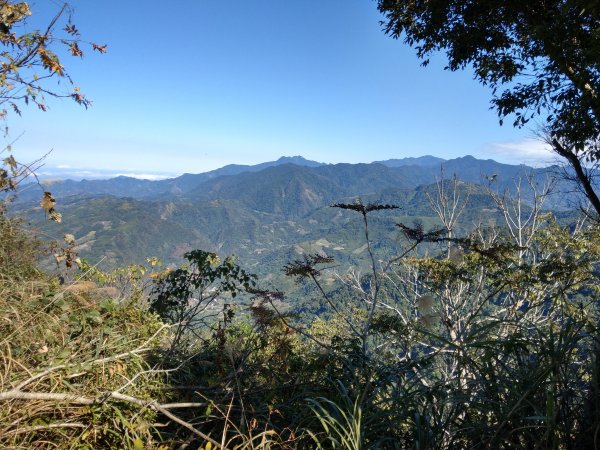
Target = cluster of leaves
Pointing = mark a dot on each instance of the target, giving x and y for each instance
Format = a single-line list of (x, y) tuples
[(543, 54), (132, 282), (417, 233), (186, 297), (47, 203), (205, 277), (30, 59), (306, 267), (363, 209)]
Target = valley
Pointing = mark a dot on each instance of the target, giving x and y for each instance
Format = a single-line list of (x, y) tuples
[(272, 213)]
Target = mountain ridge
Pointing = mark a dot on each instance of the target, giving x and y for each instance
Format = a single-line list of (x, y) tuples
[(410, 171), (268, 215)]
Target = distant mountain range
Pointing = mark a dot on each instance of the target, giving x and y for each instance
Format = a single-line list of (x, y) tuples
[(333, 179), (268, 213)]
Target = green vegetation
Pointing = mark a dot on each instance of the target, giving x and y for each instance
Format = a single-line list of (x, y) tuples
[(468, 318), (479, 339)]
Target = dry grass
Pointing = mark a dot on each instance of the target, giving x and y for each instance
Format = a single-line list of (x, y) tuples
[(74, 371), (64, 367)]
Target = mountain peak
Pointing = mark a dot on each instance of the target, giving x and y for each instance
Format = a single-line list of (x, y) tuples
[(298, 160), (291, 158)]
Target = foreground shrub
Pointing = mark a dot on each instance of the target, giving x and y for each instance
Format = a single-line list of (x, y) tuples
[(74, 368)]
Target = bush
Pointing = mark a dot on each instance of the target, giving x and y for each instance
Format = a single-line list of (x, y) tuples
[(75, 372)]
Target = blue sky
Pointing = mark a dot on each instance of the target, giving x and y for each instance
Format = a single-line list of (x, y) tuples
[(189, 86)]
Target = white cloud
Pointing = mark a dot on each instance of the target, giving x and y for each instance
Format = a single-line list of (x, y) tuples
[(144, 176), (532, 152), (68, 172)]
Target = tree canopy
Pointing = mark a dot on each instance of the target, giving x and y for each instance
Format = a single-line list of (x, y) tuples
[(30, 59), (541, 58)]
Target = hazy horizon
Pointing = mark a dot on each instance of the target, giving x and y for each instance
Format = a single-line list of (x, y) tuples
[(67, 172)]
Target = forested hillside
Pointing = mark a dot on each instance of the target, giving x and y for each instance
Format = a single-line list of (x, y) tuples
[(264, 212)]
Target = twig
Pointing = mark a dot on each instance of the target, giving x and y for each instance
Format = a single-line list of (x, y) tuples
[(81, 400), (45, 427)]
